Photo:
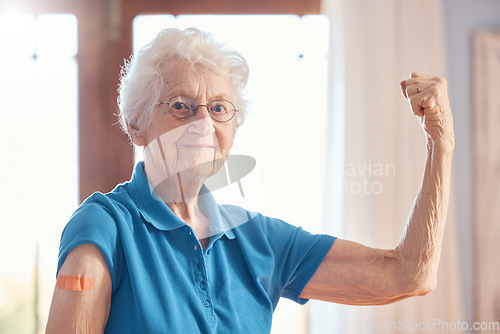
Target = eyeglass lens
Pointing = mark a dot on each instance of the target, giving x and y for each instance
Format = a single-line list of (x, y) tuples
[(183, 107)]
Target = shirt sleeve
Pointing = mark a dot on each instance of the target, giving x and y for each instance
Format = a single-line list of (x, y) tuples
[(93, 223), (298, 254)]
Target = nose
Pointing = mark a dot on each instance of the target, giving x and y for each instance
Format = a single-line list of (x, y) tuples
[(202, 123)]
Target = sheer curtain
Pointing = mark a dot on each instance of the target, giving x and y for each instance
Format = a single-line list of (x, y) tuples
[(377, 150)]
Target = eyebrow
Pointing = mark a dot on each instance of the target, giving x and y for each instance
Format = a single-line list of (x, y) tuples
[(216, 97)]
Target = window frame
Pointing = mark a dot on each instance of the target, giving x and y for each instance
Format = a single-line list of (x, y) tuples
[(105, 155)]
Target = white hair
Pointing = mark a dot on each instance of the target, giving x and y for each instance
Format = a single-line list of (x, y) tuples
[(142, 77)]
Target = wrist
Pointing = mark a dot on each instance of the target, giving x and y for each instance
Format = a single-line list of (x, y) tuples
[(442, 145)]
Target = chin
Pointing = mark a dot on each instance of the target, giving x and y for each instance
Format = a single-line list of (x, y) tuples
[(205, 169)]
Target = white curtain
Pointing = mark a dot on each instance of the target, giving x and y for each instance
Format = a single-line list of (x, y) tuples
[(377, 148)]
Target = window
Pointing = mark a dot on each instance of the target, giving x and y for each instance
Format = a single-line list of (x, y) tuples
[(38, 145), (284, 130)]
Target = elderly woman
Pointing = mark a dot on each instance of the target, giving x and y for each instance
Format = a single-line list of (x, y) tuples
[(158, 255)]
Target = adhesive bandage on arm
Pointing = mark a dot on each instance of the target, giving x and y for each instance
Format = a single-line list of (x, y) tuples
[(75, 283)]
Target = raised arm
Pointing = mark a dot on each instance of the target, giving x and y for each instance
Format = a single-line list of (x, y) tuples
[(355, 274), (82, 296)]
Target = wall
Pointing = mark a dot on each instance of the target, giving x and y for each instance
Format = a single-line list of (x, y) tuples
[(462, 18)]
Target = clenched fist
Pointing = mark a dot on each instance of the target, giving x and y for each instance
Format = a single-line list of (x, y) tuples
[(428, 100)]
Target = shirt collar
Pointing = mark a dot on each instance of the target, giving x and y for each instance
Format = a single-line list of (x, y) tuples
[(217, 221), (158, 214)]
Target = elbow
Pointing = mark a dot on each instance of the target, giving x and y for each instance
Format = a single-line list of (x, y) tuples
[(417, 276), (408, 284), (411, 287), (427, 285), (421, 285)]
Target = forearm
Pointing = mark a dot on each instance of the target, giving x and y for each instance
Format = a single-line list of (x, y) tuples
[(419, 250), (358, 275)]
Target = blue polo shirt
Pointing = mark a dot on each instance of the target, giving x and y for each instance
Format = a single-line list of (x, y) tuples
[(163, 281)]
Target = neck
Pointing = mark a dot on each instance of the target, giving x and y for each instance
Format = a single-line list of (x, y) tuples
[(180, 192)]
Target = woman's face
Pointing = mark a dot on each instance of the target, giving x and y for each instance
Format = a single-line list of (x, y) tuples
[(196, 146)]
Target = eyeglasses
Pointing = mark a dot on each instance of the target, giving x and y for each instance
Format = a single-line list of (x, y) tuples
[(184, 107)]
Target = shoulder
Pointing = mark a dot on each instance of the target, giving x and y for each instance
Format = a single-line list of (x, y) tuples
[(97, 212), (252, 223), (237, 216), (102, 208), (278, 234), (117, 201), (100, 218)]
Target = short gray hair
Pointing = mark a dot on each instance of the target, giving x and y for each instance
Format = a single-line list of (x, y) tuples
[(142, 77)]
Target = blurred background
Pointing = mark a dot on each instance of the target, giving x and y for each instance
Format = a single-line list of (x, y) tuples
[(328, 127)]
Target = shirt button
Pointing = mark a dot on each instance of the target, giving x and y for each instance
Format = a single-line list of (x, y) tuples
[(209, 252), (202, 285), (206, 303)]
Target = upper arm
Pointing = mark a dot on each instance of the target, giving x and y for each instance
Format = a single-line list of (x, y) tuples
[(82, 311), (358, 275)]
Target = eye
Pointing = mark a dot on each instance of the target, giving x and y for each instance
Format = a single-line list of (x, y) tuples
[(179, 106), (219, 107)]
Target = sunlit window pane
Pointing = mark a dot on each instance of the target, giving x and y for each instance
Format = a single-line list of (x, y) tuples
[(16, 35), (147, 26), (17, 80), (56, 35), (17, 226), (55, 105), (38, 148)]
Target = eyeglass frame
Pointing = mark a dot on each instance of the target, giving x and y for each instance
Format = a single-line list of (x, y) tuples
[(195, 108)]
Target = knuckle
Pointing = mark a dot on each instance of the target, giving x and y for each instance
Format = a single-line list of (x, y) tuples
[(434, 89), (441, 80)]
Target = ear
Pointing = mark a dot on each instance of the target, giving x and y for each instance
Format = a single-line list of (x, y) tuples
[(135, 136)]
